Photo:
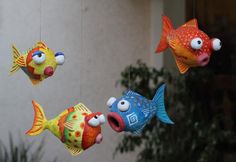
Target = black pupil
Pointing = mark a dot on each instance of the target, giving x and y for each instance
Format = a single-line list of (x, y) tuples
[(39, 55), (95, 117), (199, 42), (122, 103)]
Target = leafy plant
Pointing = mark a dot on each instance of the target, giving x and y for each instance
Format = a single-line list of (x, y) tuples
[(21, 152), (197, 134)]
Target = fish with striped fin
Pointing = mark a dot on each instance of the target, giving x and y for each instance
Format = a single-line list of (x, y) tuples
[(76, 127), (38, 63), (132, 111)]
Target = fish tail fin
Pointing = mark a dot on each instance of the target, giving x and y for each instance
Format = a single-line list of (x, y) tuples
[(40, 121), (167, 26), (159, 101), (15, 55)]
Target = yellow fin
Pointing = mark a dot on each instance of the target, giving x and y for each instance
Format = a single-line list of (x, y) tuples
[(21, 61), (74, 151), (40, 44), (40, 120), (183, 68), (15, 55), (70, 125), (81, 107)]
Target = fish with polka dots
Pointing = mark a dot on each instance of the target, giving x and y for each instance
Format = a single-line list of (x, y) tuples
[(76, 127), (191, 47)]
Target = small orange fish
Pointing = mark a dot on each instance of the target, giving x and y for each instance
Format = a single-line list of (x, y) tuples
[(191, 46)]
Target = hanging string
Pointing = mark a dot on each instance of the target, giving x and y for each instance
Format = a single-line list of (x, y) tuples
[(40, 20), (129, 79), (82, 45), (194, 8)]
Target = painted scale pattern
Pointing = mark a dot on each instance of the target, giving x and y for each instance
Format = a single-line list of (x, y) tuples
[(74, 138), (146, 106), (186, 34)]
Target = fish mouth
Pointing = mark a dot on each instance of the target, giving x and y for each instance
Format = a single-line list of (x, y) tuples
[(116, 122), (203, 59), (48, 71)]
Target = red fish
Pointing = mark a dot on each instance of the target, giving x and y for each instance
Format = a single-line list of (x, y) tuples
[(191, 47)]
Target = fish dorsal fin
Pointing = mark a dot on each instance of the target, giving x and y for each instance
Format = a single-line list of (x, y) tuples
[(74, 151), (192, 23), (41, 44), (183, 68), (132, 93), (82, 108), (70, 125)]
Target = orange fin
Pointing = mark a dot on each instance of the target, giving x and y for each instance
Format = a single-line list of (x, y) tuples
[(183, 68), (34, 81), (192, 23), (167, 26), (40, 120)]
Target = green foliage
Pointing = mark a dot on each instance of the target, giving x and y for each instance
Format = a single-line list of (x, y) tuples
[(21, 152), (196, 136)]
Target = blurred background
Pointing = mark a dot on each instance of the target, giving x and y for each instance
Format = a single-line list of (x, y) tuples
[(109, 46)]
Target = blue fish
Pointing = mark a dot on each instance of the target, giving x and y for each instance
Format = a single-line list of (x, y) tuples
[(132, 111)]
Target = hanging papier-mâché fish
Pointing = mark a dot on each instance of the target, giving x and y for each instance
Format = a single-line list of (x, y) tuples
[(77, 127), (131, 112), (191, 46), (38, 63)]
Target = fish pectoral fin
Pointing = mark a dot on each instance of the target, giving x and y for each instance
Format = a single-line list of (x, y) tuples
[(183, 68), (70, 125), (82, 108), (139, 131), (74, 151), (175, 45)]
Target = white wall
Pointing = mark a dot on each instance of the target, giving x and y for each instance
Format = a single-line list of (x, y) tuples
[(156, 30), (175, 10), (111, 35)]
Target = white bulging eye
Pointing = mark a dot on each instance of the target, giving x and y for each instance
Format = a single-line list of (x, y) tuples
[(111, 101), (196, 43), (94, 122), (123, 105), (216, 44), (102, 119), (60, 58), (38, 57)]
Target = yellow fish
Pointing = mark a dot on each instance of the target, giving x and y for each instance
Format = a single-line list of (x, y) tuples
[(38, 63), (77, 127)]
